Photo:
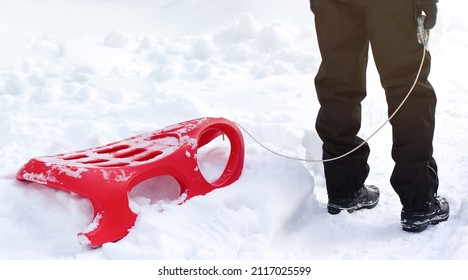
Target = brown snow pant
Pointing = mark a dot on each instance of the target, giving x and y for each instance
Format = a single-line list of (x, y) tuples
[(345, 29)]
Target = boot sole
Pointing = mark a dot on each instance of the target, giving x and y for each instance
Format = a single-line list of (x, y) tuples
[(421, 227), (336, 210)]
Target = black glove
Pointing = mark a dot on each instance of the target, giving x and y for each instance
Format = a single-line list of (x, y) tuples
[(312, 7), (429, 7)]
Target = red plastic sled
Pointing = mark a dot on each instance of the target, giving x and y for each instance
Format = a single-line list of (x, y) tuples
[(105, 175)]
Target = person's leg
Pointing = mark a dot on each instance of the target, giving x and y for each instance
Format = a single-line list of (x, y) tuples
[(392, 30), (341, 86)]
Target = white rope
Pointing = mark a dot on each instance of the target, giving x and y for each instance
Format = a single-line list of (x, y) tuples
[(360, 145)]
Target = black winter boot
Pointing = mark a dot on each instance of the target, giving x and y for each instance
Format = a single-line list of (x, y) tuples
[(367, 197), (414, 221)]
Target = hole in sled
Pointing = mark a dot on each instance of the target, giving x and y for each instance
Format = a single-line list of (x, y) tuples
[(153, 190), (213, 157)]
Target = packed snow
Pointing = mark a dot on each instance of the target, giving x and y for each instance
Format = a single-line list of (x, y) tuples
[(76, 74)]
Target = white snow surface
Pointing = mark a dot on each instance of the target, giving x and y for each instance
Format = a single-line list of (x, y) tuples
[(76, 74)]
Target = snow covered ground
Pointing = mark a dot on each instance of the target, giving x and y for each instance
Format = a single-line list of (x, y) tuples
[(76, 74)]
